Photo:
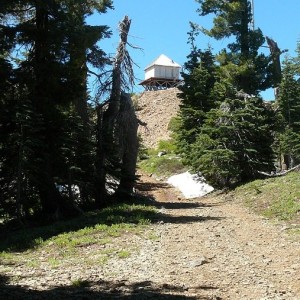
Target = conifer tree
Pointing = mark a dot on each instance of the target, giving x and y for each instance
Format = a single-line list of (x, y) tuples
[(117, 139), (48, 80), (196, 97), (289, 108), (229, 148), (234, 143), (199, 77)]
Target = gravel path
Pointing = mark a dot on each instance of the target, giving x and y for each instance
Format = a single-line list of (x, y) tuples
[(210, 248)]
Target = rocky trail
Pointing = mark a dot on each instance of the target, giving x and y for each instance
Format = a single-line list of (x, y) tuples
[(214, 248), (206, 248)]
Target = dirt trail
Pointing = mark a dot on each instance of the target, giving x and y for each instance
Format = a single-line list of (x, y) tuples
[(210, 248), (216, 249)]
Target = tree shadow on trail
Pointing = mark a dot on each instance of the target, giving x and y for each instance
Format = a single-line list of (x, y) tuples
[(180, 205), (151, 186), (187, 219), (104, 290)]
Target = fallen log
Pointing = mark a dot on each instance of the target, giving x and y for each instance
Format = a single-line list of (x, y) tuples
[(296, 168)]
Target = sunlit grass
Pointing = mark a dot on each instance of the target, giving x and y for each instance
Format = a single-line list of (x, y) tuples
[(85, 230), (123, 254), (275, 198), (165, 165), (90, 239), (78, 283), (54, 263)]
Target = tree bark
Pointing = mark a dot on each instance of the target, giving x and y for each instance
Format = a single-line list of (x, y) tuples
[(128, 124), (107, 127), (275, 54)]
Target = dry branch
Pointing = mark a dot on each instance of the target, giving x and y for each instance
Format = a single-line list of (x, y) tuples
[(281, 173)]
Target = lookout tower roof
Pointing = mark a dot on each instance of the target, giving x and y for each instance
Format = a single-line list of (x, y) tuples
[(163, 60)]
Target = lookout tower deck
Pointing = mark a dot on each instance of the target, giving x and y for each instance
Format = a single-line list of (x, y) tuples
[(162, 73)]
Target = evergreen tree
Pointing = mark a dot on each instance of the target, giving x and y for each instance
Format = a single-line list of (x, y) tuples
[(234, 141), (249, 69), (196, 93), (289, 108), (197, 97), (48, 81)]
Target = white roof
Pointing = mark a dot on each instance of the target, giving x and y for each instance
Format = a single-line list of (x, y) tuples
[(164, 60)]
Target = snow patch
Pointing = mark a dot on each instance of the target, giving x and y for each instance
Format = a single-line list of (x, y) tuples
[(190, 185)]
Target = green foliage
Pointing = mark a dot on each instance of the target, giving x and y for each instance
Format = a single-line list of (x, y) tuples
[(164, 165), (124, 254), (174, 124), (197, 97), (289, 109), (46, 137), (166, 145), (283, 210), (79, 283), (92, 239), (251, 69), (143, 151), (226, 130), (234, 143)]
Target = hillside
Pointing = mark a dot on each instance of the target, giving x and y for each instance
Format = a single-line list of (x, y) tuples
[(156, 108)]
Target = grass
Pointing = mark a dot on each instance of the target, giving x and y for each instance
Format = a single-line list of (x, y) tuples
[(166, 165), (109, 222), (124, 254), (78, 283), (162, 166), (91, 239), (275, 198), (54, 262)]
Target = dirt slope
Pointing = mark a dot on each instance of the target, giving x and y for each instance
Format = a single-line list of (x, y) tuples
[(156, 108)]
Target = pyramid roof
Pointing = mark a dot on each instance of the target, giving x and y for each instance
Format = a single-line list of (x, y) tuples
[(164, 60)]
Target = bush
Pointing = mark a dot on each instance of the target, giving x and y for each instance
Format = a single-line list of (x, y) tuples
[(167, 145)]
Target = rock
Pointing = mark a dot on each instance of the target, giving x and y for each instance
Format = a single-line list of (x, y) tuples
[(161, 153), (199, 262)]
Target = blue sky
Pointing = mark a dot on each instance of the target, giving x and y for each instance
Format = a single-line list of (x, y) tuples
[(161, 26)]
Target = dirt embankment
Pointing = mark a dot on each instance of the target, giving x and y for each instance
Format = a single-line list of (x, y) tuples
[(156, 108)]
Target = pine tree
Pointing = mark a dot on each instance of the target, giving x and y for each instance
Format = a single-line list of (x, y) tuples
[(234, 141), (196, 93), (249, 69), (47, 81), (289, 108)]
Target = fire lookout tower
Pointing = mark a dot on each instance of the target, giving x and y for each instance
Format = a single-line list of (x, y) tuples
[(162, 73)]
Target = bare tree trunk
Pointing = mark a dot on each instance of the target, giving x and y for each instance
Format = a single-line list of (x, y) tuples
[(107, 127), (100, 180), (128, 124), (275, 53)]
